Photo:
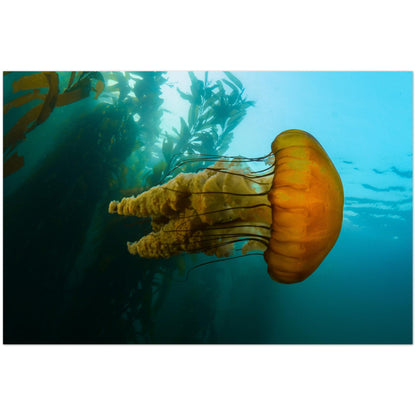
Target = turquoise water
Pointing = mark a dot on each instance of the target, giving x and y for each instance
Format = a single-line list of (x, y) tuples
[(80, 285)]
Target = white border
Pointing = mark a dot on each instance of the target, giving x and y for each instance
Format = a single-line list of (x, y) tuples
[(261, 35)]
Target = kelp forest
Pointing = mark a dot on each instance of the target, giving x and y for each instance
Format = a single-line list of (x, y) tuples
[(72, 142)]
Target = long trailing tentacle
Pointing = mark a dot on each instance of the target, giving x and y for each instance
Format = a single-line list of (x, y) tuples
[(217, 261), (212, 158)]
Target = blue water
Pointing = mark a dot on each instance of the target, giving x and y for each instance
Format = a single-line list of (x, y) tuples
[(361, 293)]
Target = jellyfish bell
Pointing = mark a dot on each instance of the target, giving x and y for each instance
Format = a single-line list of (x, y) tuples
[(307, 201), (291, 211)]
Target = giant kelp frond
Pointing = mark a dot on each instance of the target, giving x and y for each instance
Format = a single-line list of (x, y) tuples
[(79, 87), (216, 109), (18, 131), (145, 103), (50, 99), (29, 82)]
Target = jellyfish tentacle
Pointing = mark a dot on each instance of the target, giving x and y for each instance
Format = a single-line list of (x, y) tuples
[(215, 158), (217, 261)]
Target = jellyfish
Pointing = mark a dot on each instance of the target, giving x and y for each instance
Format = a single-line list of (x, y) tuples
[(291, 212)]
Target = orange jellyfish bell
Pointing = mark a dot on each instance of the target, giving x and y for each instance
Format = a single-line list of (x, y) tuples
[(307, 201)]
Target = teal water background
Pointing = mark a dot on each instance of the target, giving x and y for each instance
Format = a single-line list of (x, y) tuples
[(362, 292)]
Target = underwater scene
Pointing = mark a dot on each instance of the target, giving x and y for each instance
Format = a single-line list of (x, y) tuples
[(243, 207)]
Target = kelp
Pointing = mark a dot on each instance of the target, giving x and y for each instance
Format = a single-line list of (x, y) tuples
[(214, 112), (120, 85), (23, 99), (50, 99), (116, 297), (58, 200), (12, 164), (18, 131), (148, 91), (134, 300), (29, 82), (99, 88), (141, 93), (71, 96)]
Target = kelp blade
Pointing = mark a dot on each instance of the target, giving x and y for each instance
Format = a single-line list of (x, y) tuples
[(32, 81), (22, 100), (17, 132), (13, 164)]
